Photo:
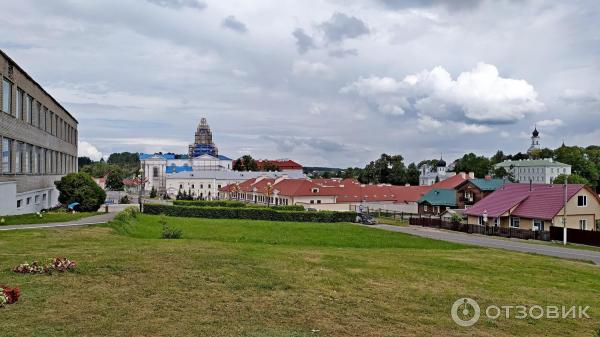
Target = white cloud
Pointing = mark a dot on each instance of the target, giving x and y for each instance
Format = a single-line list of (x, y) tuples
[(372, 86), (464, 128), (391, 109), (551, 123), (477, 95), (86, 149), (316, 69), (317, 108), (426, 123)]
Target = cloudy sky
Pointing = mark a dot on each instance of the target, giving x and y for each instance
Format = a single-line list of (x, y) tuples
[(324, 82)]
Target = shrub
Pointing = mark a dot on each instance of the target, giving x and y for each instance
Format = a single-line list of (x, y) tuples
[(79, 187), (122, 220), (124, 200), (234, 204), (251, 213), (8, 295), (153, 193), (170, 233)]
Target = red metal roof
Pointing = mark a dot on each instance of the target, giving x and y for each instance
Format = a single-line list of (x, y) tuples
[(452, 182), (345, 190), (544, 201)]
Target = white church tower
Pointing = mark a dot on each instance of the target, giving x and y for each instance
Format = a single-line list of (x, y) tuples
[(535, 141)]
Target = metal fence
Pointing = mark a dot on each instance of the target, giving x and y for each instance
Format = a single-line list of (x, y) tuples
[(524, 234), (381, 212)]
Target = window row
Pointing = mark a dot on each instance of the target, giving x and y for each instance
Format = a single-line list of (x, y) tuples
[(30, 111), (37, 199), (22, 158)]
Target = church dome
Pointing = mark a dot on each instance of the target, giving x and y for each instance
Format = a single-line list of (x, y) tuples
[(535, 132), (441, 163)]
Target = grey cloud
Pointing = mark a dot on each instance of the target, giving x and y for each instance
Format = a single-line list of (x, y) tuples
[(341, 53), (452, 5), (178, 4), (342, 26), (234, 24), (289, 144), (304, 42)]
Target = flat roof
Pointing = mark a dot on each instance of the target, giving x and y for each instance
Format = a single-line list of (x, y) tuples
[(36, 83)]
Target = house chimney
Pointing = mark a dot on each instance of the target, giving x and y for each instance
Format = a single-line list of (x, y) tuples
[(463, 175), (281, 178), (471, 175), (407, 184), (488, 177), (530, 185)]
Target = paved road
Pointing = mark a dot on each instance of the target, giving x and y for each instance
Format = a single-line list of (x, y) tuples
[(92, 220), (486, 241)]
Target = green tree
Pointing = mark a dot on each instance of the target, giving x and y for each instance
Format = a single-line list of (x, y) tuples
[(497, 158), (83, 161), (580, 162), (502, 173), (79, 187), (480, 165), (245, 163), (571, 179), (129, 162), (413, 174), (114, 179)]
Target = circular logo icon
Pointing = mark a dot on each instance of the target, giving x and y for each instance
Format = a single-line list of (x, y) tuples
[(465, 312)]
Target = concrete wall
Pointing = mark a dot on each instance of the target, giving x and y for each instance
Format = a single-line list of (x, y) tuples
[(42, 134)]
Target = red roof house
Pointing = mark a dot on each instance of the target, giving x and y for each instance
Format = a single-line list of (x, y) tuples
[(538, 205)]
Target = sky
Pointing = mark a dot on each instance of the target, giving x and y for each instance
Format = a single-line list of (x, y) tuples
[(326, 83)]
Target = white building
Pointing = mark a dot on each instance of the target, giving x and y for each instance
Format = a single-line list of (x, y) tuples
[(538, 171), (206, 184), (431, 175)]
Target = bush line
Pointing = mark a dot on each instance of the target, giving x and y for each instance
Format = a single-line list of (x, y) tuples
[(250, 213)]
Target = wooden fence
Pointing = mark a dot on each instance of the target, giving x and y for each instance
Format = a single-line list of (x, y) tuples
[(576, 236), (524, 234)]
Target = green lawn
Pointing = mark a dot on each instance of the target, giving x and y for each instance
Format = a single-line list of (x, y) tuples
[(391, 221), (47, 217), (258, 278)]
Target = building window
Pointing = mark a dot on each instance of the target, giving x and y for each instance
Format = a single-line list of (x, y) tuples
[(312, 201), (538, 225), (37, 199), (193, 186), (496, 222), (208, 185), (425, 208), (28, 109), (480, 221), (19, 104), (515, 222), (318, 201), (44, 197), (583, 224), (19, 203), (28, 200), (582, 200), (6, 155), (6, 96), (155, 172)]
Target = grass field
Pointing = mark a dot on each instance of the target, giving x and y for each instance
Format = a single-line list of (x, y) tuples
[(258, 278), (47, 217)]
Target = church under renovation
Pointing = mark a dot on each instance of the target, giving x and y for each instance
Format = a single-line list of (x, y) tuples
[(201, 172)]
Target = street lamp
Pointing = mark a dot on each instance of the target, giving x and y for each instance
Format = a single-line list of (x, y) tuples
[(141, 189)]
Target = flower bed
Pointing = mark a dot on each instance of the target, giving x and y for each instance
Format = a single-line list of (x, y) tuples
[(8, 295), (59, 264)]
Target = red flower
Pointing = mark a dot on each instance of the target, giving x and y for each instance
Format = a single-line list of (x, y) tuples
[(12, 294)]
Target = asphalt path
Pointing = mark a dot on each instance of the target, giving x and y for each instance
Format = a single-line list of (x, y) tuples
[(92, 220), (492, 242)]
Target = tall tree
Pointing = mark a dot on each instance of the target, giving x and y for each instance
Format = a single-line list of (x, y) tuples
[(480, 165), (413, 174)]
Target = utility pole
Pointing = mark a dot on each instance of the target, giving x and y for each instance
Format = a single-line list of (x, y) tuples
[(565, 215)]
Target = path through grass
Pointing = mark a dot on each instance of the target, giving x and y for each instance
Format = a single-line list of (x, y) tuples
[(258, 278)]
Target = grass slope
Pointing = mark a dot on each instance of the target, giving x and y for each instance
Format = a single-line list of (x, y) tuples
[(258, 278), (48, 217)]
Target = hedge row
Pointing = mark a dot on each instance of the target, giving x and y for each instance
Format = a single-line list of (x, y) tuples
[(209, 203), (234, 204), (251, 213)]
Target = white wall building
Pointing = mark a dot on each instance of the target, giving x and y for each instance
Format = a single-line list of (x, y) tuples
[(537, 171)]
